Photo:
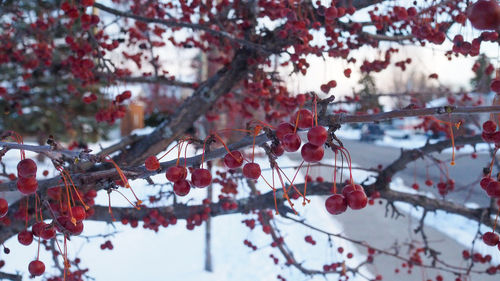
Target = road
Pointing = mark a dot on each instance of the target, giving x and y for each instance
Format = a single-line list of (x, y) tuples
[(371, 224)]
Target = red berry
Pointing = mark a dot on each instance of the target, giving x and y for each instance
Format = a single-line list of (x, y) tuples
[(291, 142), (78, 213), (490, 238), (176, 173), (152, 163), (27, 185), (305, 118), (251, 171), (489, 126), (26, 168), (284, 129), (48, 232), (350, 188), (277, 150), (201, 177), (357, 199), (312, 153), (36, 268), (317, 135), (182, 187), (484, 14), (233, 160), (4, 207), (336, 204), (428, 182), (484, 182), (37, 228), (25, 237), (493, 189)]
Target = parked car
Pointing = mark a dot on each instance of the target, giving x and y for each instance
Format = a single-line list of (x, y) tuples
[(371, 133)]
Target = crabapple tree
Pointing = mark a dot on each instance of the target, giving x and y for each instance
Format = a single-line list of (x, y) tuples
[(70, 68)]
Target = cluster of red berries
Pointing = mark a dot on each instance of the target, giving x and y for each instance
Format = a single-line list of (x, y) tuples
[(26, 172), (249, 244), (107, 245), (476, 257), (310, 240), (153, 220), (116, 110), (250, 223), (353, 195), (445, 187), (196, 219)]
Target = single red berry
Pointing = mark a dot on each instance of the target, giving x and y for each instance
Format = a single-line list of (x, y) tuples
[(484, 182), (36, 268), (484, 14), (182, 187), (27, 185), (37, 228), (489, 126), (312, 153), (25, 237), (176, 173), (4, 207), (291, 142), (26, 168), (357, 199), (201, 177), (251, 171), (233, 160), (428, 182), (152, 163), (350, 188), (490, 238), (284, 129), (305, 118), (277, 150), (48, 232), (78, 213), (317, 135), (336, 204), (493, 189)]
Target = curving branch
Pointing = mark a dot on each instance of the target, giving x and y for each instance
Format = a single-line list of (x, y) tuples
[(180, 24)]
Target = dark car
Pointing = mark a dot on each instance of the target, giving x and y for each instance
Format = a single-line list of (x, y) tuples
[(371, 132)]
